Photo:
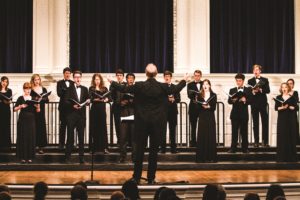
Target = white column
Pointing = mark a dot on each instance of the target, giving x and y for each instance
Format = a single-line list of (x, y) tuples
[(50, 36), (191, 47), (297, 36)]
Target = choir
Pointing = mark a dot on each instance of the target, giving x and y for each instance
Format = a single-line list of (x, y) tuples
[(31, 123)]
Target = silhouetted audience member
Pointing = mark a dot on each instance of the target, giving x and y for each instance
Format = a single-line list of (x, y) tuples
[(5, 196), (130, 190), (166, 193), (214, 192), (274, 191), (173, 198), (79, 193), (4, 188), (279, 198), (157, 192), (117, 196), (81, 183), (40, 190), (251, 196)]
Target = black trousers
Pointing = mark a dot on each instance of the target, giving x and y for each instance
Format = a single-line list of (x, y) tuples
[(172, 122), (62, 127), (193, 121), (242, 126), (265, 123), (75, 120), (143, 130), (126, 134), (116, 109)]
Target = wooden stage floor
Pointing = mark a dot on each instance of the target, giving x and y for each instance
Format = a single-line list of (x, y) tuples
[(118, 177)]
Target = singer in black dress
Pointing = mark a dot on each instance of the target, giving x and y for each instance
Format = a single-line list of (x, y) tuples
[(98, 129), (206, 138), (5, 113), (36, 92), (287, 106), (26, 127)]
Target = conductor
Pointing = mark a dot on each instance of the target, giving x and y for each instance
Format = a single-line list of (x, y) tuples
[(150, 98)]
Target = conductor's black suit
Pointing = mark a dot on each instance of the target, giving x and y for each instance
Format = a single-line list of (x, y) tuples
[(150, 118)]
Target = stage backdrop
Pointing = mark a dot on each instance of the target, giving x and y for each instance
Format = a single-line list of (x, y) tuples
[(245, 32), (110, 34), (15, 36)]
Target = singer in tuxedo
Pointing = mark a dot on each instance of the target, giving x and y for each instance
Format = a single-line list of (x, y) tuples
[(150, 100), (76, 115), (193, 90), (5, 113), (116, 106), (61, 88), (240, 99), (172, 113), (259, 105), (287, 106)]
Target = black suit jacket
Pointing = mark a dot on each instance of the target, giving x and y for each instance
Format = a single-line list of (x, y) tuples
[(150, 98), (240, 109), (193, 107), (61, 89), (71, 94), (260, 99), (172, 107)]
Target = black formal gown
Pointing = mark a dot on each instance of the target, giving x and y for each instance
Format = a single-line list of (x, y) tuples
[(98, 129), (5, 114), (41, 132), (206, 137), (26, 131), (286, 131)]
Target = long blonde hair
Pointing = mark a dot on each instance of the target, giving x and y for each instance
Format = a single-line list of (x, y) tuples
[(202, 90), (93, 84), (32, 79)]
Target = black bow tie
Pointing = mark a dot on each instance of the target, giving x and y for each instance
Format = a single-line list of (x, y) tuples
[(257, 78), (197, 82), (77, 86), (240, 88)]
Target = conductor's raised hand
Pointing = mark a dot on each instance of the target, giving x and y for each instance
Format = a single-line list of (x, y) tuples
[(109, 79), (186, 77)]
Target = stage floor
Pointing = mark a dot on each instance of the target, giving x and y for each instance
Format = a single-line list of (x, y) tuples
[(118, 177)]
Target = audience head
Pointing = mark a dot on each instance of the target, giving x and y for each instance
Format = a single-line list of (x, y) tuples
[(275, 191), (79, 193), (166, 193), (214, 192), (35, 80), (81, 183), (40, 190), (251, 196), (173, 198), (4, 83), (130, 77), (67, 73), (256, 70), (157, 192), (117, 196), (197, 75), (5, 196), (279, 198), (130, 190), (120, 75), (151, 70), (4, 188)]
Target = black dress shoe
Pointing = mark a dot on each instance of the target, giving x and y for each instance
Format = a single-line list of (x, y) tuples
[(162, 151), (106, 151), (122, 160), (174, 151), (266, 145), (256, 145), (246, 151), (152, 182), (68, 160), (231, 151), (81, 161)]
